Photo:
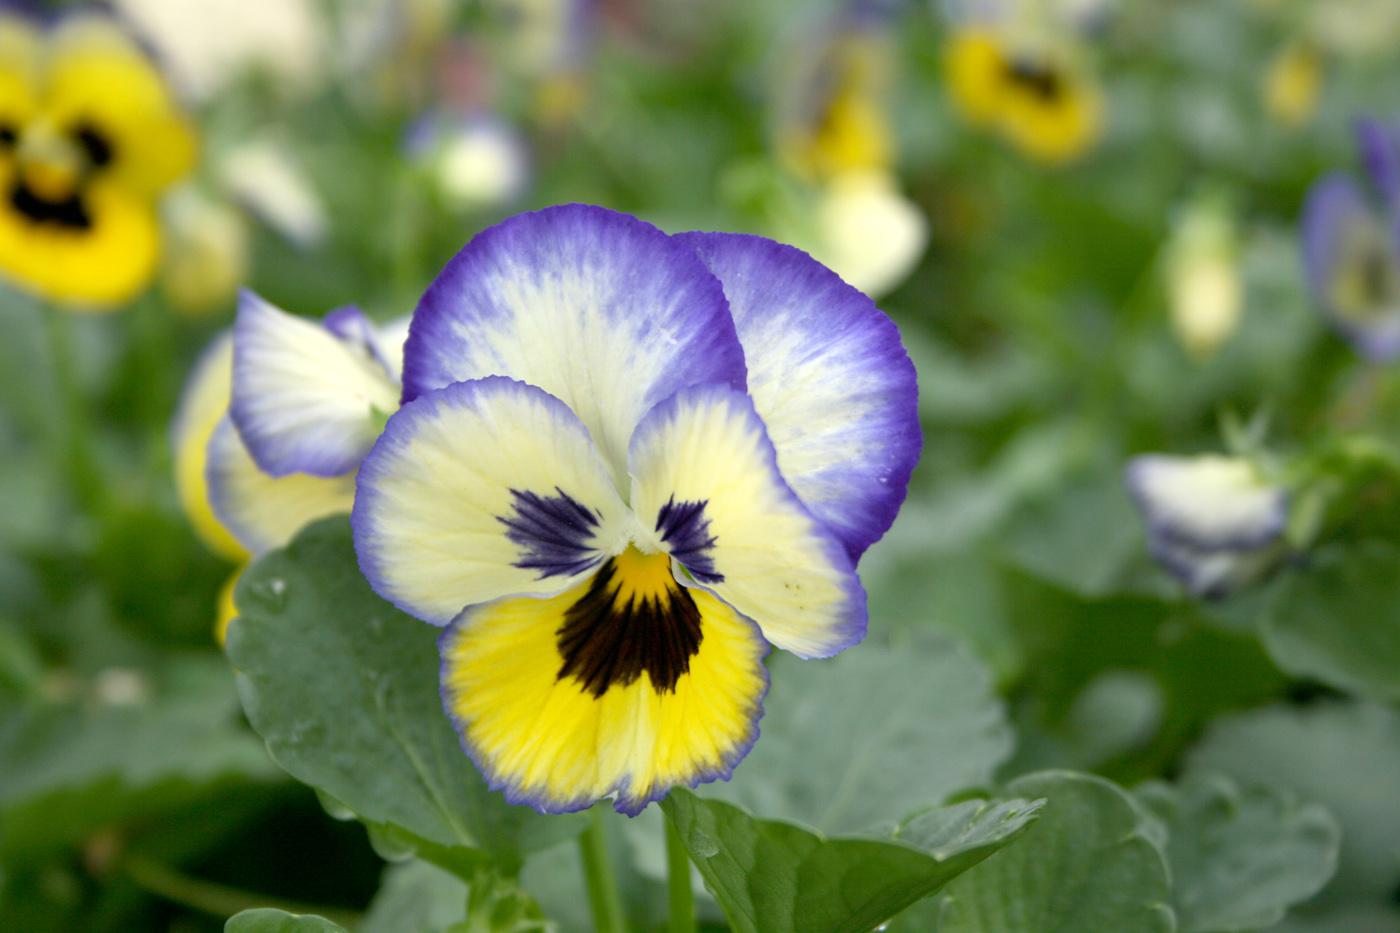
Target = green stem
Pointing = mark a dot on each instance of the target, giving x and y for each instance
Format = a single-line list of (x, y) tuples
[(217, 899), (75, 425), (679, 894), (603, 894)]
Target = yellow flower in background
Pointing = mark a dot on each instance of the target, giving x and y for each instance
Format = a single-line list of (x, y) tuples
[(1031, 93), (840, 123), (833, 130), (1292, 84), (90, 135)]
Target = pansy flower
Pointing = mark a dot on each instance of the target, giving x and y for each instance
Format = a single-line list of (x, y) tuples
[(832, 107), (834, 131), (89, 137), (1213, 522), (275, 418), (1351, 248), (626, 463), (1034, 93), (1292, 84)]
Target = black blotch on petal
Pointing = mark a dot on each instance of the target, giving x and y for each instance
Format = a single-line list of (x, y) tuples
[(95, 144), (606, 641)]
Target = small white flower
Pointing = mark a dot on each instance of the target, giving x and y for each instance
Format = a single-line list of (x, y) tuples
[(1212, 521), (871, 234)]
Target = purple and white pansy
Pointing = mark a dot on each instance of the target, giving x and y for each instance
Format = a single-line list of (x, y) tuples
[(626, 462), (1212, 521), (307, 401), (1351, 247)]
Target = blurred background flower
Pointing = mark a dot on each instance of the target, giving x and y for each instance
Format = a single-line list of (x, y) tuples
[(1084, 216), (90, 136), (1351, 248), (1029, 84), (1205, 282), (1214, 522)]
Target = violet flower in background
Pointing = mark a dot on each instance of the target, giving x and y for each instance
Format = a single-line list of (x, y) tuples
[(1351, 247)]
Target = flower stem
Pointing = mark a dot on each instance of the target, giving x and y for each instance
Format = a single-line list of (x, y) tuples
[(76, 430), (603, 894), (216, 899), (679, 895)]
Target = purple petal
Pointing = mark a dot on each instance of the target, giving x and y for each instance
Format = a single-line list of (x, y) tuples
[(599, 309), (830, 378), (1380, 150)]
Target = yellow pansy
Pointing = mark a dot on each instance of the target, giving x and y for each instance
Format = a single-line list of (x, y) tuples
[(1031, 93), (835, 119), (1292, 84), (89, 136)]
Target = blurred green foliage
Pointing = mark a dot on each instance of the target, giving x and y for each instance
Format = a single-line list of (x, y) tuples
[(1014, 596)]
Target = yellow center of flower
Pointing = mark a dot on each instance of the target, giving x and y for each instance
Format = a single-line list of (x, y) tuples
[(632, 618), (54, 170), (1034, 95), (1366, 283)]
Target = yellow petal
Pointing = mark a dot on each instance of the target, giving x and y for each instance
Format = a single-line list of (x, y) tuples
[(559, 735), (97, 76), (96, 266), (203, 404)]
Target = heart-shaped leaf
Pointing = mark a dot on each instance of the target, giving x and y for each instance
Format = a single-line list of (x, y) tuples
[(269, 920), (774, 876), (1086, 864), (344, 690), (871, 735), (1240, 856), (1345, 756), (1338, 619)]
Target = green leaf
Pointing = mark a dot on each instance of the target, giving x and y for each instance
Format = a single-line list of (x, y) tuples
[(1071, 642), (1046, 538), (1338, 619), (268, 920), (1086, 864), (416, 897), (67, 770), (1345, 756), (871, 735), (960, 594), (1362, 918), (1240, 856), (500, 905), (776, 876), (344, 690)]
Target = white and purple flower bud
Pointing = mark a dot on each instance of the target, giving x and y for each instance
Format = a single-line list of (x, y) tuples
[(1212, 521), (1351, 248)]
